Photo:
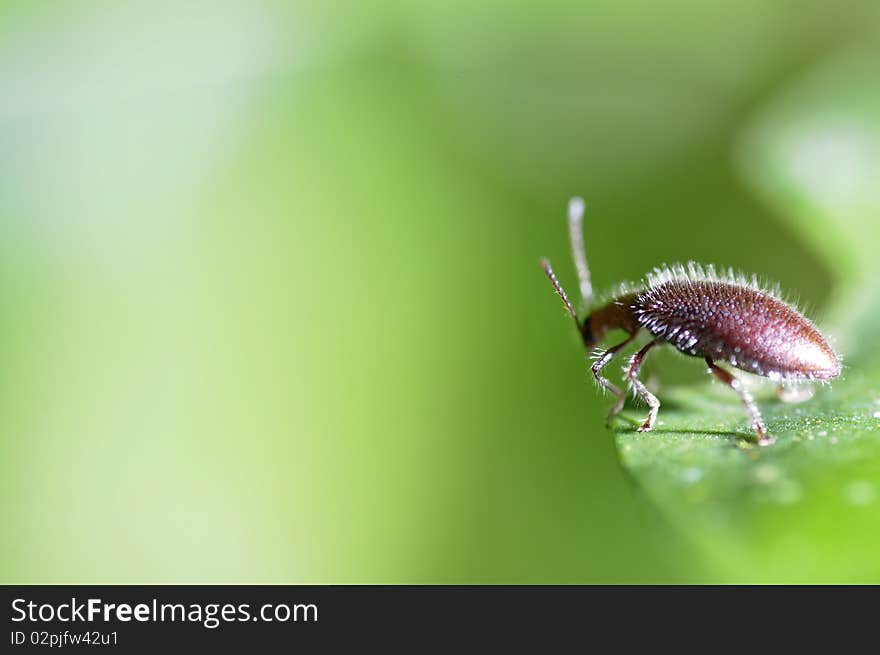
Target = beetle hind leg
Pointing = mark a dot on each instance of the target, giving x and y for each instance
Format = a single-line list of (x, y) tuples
[(793, 393), (757, 422)]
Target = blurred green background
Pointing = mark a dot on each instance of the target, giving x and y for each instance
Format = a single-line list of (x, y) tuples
[(270, 303)]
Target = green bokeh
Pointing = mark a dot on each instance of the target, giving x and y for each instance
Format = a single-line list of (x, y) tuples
[(271, 308)]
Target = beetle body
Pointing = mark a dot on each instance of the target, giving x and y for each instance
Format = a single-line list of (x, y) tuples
[(726, 318), (717, 317)]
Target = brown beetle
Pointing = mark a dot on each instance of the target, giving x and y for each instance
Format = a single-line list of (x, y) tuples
[(716, 316)]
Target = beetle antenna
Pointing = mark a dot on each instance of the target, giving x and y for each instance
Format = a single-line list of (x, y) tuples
[(576, 233), (548, 270)]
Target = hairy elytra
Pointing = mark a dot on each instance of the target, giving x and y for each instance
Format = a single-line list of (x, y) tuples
[(720, 317)]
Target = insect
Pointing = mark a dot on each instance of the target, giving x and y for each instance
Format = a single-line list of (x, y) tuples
[(720, 317)]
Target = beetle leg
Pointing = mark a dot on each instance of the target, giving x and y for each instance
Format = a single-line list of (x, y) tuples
[(635, 363), (751, 408), (790, 393), (597, 367)]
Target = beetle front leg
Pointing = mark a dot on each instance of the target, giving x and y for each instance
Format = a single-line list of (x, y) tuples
[(597, 367)]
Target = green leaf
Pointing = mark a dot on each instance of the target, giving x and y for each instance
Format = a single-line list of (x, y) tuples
[(806, 509)]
